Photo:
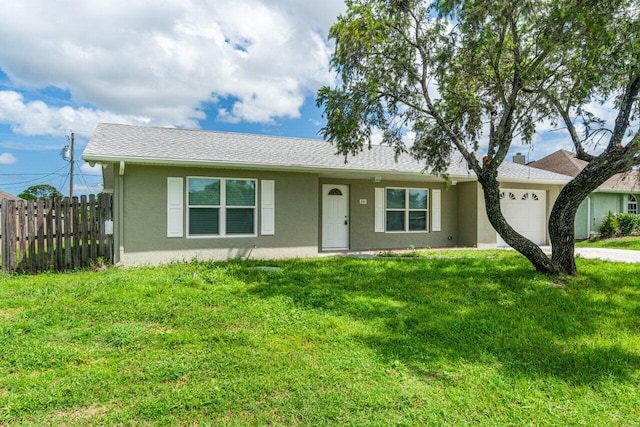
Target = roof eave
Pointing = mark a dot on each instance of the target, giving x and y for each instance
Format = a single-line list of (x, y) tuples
[(533, 181), (617, 190), (297, 168), (257, 166)]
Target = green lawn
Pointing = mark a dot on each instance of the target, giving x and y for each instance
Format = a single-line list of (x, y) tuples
[(455, 338), (631, 242)]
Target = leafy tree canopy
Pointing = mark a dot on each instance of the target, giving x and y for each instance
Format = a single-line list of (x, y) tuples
[(40, 191), (473, 76)]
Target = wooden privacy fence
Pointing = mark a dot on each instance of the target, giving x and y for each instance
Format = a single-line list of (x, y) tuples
[(55, 234)]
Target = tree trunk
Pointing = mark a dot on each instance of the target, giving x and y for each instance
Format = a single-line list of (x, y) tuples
[(526, 247), (563, 214)]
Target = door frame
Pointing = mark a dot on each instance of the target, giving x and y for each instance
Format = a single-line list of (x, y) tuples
[(345, 192)]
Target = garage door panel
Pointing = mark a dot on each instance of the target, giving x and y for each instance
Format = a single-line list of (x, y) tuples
[(525, 211)]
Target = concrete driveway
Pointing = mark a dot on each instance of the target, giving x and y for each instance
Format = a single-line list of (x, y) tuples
[(619, 255)]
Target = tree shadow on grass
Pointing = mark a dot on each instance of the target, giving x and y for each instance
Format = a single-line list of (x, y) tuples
[(464, 310)]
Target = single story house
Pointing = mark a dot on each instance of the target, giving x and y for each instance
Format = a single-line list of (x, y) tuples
[(183, 194), (5, 195), (619, 194)]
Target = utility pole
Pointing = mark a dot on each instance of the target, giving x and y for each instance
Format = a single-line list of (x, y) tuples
[(72, 164), (67, 154)]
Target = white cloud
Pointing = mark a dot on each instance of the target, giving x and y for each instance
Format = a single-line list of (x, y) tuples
[(7, 159), (86, 168), (79, 189), (37, 118), (164, 61)]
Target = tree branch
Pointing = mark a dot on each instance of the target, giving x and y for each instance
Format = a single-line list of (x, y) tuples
[(455, 139), (626, 106), (506, 121), (573, 133)]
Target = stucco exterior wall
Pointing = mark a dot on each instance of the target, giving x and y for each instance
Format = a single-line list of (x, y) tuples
[(140, 214), (581, 228), (467, 214), (143, 218), (362, 217), (602, 203)]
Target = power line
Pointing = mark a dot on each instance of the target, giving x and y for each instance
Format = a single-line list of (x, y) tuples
[(64, 181), (83, 177), (14, 184), (30, 174)]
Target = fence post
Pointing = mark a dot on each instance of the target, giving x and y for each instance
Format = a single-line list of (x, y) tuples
[(57, 206), (84, 238), (40, 232), (4, 233), (68, 260), (21, 235), (51, 252), (31, 237), (75, 212), (93, 227), (12, 234), (101, 232)]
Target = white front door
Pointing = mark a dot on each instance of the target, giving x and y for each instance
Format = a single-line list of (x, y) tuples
[(335, 217), (525, 211)]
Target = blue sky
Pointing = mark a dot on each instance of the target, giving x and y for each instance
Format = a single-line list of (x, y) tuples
[(231, 65)]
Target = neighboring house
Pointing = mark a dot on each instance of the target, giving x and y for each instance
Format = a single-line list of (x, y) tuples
[(620, 193), (183, 194), (5, 195)]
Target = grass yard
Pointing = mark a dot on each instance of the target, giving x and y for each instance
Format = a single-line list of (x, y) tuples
[(456, 338), (630, 242)]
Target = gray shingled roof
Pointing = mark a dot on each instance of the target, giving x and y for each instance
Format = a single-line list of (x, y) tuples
[(115, 142)]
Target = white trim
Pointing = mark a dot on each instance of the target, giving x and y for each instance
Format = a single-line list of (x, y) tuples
[(379, 214), (632, 202), (222, 216), (175, 207), (436, 210), (268, 208), (407, 210), (589, 216), (344, 238)]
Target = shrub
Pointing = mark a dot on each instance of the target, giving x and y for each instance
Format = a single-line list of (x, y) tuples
[(609, 226), (628, 223)]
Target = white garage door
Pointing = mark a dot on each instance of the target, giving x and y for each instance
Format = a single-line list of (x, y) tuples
[(525, 210)]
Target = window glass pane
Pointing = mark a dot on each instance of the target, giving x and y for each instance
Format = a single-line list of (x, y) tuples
[(395, 198), (204, 191), (417, 220), (418, 199), (204, 221), (395, 220), (632, 205), (240, 221), (240, 192)]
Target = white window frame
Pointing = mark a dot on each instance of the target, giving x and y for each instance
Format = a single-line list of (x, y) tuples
[(633, 203), (406, 210), (222, 226)]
